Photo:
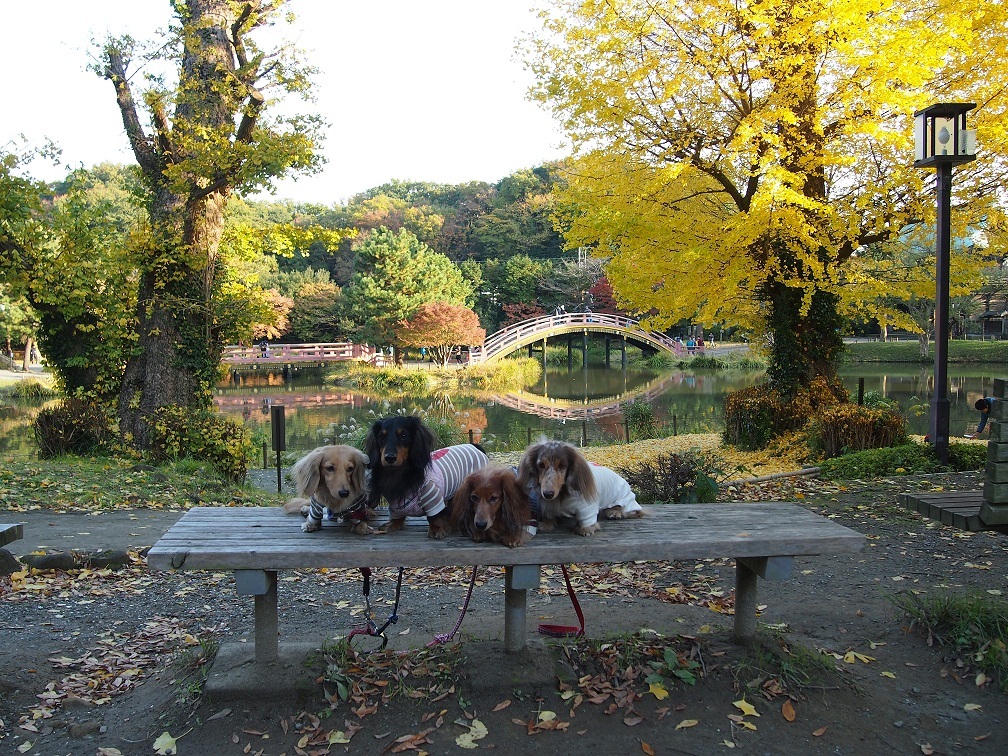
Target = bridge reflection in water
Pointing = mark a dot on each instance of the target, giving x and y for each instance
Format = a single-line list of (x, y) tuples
[(565, 405)]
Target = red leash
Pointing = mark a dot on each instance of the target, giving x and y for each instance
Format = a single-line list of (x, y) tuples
[(566, 631)]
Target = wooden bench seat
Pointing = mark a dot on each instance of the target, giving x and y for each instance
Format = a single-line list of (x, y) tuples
[(10, 533), (257, 543)]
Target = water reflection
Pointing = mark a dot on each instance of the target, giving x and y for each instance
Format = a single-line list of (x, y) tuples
[(564, 404)]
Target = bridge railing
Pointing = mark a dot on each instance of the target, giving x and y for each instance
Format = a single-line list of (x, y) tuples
[(517, 332), (322, 352)]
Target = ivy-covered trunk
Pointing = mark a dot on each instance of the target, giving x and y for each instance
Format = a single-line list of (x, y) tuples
[(177, 351), (803, 345)]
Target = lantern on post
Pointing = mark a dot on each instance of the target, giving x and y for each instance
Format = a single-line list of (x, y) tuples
[(941, 141)]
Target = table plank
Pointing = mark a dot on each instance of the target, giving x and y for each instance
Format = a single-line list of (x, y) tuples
[(219, 538), (10, 532)]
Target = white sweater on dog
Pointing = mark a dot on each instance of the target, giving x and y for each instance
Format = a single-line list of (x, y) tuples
[(612, 491)]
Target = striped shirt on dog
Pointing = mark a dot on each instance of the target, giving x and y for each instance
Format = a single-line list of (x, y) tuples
[(444, 474)]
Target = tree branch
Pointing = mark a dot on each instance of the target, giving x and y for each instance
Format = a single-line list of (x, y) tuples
[(115, 71)]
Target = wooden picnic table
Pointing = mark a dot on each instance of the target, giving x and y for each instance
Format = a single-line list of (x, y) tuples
[(257, 543)]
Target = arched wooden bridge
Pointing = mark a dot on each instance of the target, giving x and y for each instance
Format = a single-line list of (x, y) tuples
[(518, 335), (500, 344)]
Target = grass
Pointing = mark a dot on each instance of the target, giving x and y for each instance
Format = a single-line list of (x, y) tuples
[(776, 665), (975, 625), (959, 352), (194, 664), (78, 484)]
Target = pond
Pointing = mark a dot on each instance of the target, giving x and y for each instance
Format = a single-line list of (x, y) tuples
[(581, 402), (564, 404)]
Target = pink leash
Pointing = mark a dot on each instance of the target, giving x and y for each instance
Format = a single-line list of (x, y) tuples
[(446, 637)]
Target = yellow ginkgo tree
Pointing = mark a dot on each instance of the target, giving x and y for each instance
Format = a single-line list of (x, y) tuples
[(734, 157)]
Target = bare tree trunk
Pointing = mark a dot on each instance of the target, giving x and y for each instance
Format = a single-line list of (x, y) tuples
[(26, 362)]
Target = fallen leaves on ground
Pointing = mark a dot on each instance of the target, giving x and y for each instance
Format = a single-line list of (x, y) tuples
[(618, 673), (107, 483), (119, 663)]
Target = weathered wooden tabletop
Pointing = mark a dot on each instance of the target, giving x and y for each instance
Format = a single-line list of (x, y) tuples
[(258, 538)]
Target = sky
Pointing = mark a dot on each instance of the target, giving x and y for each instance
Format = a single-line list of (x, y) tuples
[(416, 90)]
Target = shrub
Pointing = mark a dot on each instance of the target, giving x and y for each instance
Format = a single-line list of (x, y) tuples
[(74, 426), (690, 477), (660, 361), (756, 415), (640, 419), (28, 390), (702, 361), (877, 400), (849, 427), (502, 375), (179, 432), (752, 417), (393, 380), (902, 460)]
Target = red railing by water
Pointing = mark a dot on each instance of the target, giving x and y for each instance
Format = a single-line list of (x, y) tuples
[(299, 353), (500, 343)]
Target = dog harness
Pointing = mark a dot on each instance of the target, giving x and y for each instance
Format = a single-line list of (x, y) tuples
[(532, 526), (442, 477), (356, 511)]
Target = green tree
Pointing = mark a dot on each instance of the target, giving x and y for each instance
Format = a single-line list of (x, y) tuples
[(734, 158), (397, 273), (316, 313), (210, 135), (70, 259)]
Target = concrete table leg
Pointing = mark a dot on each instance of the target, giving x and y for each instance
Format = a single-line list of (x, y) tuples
[(262, 584), (517, 580), (745, 603)]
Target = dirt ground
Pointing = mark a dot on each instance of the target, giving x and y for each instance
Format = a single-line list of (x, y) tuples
[(71, 639)]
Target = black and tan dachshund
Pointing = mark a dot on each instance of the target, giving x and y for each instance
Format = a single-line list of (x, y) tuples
[(411, 476)]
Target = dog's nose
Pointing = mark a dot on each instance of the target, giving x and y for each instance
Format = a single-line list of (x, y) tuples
[(548, 494), (343, 493), (390, 458), (482, 524)]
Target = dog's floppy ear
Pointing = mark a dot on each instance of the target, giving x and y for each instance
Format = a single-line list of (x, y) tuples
[(579, 475), (306, 472), (528, 475), (359, 481), (372, 447), (461, 512), (423, 443), (516, 510)]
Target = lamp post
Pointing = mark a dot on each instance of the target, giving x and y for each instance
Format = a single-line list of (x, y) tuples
[(941, 141)]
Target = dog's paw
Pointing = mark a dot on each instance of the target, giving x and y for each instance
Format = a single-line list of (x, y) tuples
[(545, 524), (310, 526), (362, 528), (395, 525), (590, 530), (519, 539), (612, 513)]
